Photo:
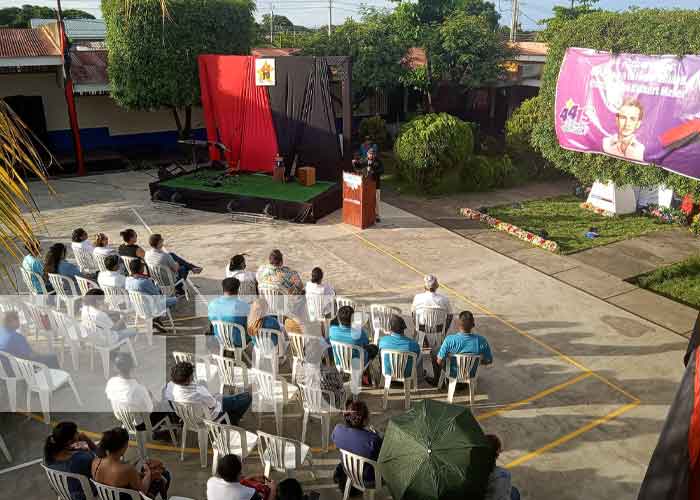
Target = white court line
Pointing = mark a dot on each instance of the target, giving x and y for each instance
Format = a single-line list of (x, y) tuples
[(143, 222), (21, 466)]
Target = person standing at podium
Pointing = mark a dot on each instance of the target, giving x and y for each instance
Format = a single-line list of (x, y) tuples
[(374, 168)]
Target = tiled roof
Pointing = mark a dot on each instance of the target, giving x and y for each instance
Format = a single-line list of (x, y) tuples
[(89, 67), (273, 52), (26, 42), (530, 48)]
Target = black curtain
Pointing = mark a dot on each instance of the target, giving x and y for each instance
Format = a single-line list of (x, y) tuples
[(303, 116)]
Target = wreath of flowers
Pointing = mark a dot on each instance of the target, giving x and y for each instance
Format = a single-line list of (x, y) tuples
[(509, 228)]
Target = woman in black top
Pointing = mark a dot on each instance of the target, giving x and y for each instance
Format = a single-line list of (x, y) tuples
[(129, 248)]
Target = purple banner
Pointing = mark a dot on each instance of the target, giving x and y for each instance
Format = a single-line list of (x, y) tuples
[(644, 109)]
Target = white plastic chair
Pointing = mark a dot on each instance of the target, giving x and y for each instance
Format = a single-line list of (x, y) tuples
[(166, 281), (84, 284), (318, 404), (465, 363), (144, 307), (130, 420), (248, 290), (431, 324), (341, 301), (116, 298), (271, 390), (265, 348), (275, 297), (64, 323), (66, 291), (204, 370), (354, 466), (230, 440), (39, 319), (226, 334), (283, 454), (84, 259), (230, 371), (104, 341), (58, 481), (10, 381), (298, 343), (100, 261), (44, 381), (193, 417), (381, 315), (127, 261), (395, 370), (35, 283), (354, 367)]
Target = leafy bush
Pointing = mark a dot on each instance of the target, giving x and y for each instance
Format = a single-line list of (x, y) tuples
[(482, 173), (519, 129), (430, 146), (374, 127), (640, 31)]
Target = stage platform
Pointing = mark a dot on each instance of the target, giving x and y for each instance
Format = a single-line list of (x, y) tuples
[(205, 189)]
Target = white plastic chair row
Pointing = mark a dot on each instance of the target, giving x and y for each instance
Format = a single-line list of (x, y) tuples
[(66, 292), (85, 260), (193, 417), (130, 420), (229, 440)]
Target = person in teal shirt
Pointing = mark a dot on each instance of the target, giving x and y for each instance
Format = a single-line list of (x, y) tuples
[(343, 332), (397, 341), (230, 308), (465, 342), (32, 263)]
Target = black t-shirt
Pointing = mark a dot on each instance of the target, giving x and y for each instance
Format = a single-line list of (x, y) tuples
[(128, 250)]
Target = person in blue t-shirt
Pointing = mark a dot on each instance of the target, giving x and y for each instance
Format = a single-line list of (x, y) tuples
[(67, 450), (13, 343), (32, 262), (230, 308), (343, 332), (465, 342), (397, 341)]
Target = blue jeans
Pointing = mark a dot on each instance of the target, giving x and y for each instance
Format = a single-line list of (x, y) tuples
[(185, 267), (236, 406)]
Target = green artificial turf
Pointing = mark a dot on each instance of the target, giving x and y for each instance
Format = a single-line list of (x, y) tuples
[(566, 222), (680, 282), (256, 185)]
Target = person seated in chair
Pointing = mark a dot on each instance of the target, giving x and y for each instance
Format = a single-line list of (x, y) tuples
[(55, 262), (465, 342), (229, 307), (317, 288), (32, 262), (80, 240), (344, 332), (226, 484), (67, 450), (236, 268), (139, 282), (500, 484), (276, 274), (95, 310), (112, 276), (129, 248), (15, 344), (397, 341), (157, 257), (185, 390)]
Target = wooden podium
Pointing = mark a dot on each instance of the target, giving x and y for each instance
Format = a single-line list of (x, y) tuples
[(359, 200)]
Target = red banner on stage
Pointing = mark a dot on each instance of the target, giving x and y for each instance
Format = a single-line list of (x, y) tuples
[(237, 112)]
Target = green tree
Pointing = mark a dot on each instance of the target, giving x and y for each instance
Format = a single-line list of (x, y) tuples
[(436, 11), (641, 31), (375, 46), (153, 58), (16, 17)]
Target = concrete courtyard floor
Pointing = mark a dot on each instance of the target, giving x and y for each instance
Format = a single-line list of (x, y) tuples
[(578, 392)]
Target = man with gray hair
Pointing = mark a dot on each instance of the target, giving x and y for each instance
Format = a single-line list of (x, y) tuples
[(13, 343), (430, 298)]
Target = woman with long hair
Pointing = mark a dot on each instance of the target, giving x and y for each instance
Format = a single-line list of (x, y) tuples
[(101, 244), (55, 262), (129, 248), (109, 469), (67, 450)]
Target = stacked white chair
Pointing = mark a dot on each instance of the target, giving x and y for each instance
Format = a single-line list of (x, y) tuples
[(230, 440), (381, 316), (66, 292), (85, 260), (319, 404), (85, 285), (44, 381), (283, 454), (274, 391), (231, 372), (394, 365), (465, 364), (354, 466), (193, 417), (58, 481), (226, 333), (130, 420), (10, 381)]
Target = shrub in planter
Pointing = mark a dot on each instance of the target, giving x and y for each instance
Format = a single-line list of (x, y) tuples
[(374, 127), (430, 146)]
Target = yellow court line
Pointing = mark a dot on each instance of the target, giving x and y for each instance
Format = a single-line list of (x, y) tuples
[(510, 325), (537, 396), (568, 437)]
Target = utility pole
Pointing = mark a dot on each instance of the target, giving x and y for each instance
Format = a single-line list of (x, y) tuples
[(330, 17), (514, 22), (272, 24)]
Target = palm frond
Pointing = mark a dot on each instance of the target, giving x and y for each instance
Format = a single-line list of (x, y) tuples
[(18, 158)]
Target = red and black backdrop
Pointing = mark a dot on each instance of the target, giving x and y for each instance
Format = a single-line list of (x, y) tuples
[(294, 118)]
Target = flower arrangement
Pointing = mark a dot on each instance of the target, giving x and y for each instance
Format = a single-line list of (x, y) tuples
[(667, 215), (599, 211), (522, 234), (695, 225), (688, 206)]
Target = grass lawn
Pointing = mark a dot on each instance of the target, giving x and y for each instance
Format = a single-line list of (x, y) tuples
[(680, 282), (566, 222)]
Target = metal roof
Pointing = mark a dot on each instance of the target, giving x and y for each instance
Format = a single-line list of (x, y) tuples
[(78, 29)]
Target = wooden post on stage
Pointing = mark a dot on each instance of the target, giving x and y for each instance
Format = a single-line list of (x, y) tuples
[(359, 200)]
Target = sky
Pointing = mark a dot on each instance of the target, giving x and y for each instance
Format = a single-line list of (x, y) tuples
[(315, 12)]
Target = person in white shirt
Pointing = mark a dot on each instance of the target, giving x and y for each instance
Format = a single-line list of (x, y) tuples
[(107, 321), (226, 484), (79, 239), (157, 257), (112, 276), (430, 298), (316, 288), (184, 390), (102, 245), (236, 268)]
